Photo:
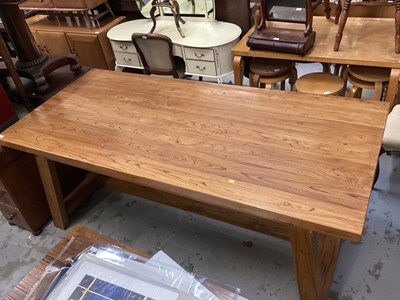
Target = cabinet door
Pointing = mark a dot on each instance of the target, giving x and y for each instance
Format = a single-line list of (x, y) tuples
[(88, 49), (37, 40), (53, 42)]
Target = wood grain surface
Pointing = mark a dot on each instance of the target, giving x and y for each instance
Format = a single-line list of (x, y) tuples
[(297, 158), (365, 42)]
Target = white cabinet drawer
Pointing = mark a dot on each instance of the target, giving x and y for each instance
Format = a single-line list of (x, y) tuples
[(201, 67), (199, 54), (127, 59), (123, 47)]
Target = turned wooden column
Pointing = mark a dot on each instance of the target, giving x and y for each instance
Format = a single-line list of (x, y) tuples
[(14, 22), (31, 63)]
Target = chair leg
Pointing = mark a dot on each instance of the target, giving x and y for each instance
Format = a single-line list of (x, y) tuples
[(326, 68), (283, 85), (293, 78), (327, 9), (342, 22), (109, 8), (378, 91), (255, 80), (377, 170), (355, 92), (338, 12)]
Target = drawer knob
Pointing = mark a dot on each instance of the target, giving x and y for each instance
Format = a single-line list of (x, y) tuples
[(123, 47), (199, 55), (200, 68), (127, 59)]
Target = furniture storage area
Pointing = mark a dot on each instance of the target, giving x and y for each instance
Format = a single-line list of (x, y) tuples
[(236, 138)]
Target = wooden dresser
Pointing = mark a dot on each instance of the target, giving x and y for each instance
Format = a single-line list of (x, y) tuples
[(63, 35)]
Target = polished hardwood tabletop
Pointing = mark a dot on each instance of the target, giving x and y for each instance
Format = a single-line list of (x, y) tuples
[(365, 42), (301, 161), (304, 159)]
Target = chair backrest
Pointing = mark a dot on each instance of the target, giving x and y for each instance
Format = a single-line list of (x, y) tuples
[(155, 51)]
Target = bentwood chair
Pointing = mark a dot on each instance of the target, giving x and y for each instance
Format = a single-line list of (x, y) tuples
[(155, 52)]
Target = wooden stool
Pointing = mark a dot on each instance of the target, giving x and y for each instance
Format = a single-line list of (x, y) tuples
[(373, 78), (320, 83), (268, 71)]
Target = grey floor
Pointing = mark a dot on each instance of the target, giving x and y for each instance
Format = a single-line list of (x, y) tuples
[(259, 265)]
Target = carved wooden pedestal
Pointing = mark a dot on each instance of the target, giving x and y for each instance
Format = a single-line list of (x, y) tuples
[(32, 63)]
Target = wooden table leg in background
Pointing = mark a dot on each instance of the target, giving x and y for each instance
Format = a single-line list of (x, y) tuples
[(13, 73), (52, 187), (392, 87), (315, 256), (238, 69)]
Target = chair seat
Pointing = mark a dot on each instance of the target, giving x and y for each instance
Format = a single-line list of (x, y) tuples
[(320, 83), (391, 136), (370, 74), (270, 67)]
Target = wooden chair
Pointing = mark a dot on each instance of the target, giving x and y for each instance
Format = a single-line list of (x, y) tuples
[(320, 83), (343, 11), (362, 77), (171, 4), (155, 52), (391, 136), (265, 71)]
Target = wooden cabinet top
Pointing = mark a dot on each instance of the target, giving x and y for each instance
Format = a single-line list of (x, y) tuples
[(49, 23), (61, 4)]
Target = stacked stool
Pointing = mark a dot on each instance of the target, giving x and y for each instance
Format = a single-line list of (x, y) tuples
[(373, 78), (320, 83), (264, 71)]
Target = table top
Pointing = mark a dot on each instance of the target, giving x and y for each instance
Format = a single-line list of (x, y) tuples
[(366, 41), (304, 159), (199, 32)]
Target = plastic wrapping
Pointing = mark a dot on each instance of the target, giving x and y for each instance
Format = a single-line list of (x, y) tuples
[(108, 272)]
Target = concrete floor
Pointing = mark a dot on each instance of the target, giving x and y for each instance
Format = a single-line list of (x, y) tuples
[(259, 265)]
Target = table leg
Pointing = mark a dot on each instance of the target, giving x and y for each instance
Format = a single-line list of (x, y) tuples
[(238, 70), (315, 256), (53, 192), (392, 87)]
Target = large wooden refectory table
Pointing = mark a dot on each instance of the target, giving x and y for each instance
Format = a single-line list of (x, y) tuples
[(295, 166), (365, 42)]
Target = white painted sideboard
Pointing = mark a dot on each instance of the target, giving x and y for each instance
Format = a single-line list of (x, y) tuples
[(205, 49)]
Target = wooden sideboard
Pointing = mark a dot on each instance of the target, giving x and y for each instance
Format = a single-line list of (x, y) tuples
[(63, 35)]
